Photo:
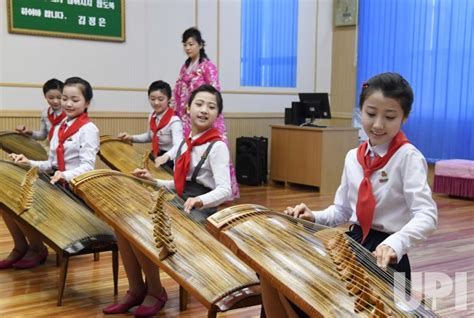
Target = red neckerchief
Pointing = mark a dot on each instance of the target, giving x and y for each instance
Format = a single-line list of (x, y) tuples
[(163, 122), (182, 163), (365, 207), (54, 121), (80, 121)]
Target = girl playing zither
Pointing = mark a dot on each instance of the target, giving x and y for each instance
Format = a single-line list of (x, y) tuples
[(384, 191), (166, 129), (73, 151), (201, 178)]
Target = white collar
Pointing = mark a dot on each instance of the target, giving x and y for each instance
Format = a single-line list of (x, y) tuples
[(159, 116), (192, 66), (69, 121), (379, 150), (198, 135), (55, 112)]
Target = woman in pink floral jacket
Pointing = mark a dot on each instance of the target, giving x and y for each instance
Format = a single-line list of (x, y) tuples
[(196, 71)]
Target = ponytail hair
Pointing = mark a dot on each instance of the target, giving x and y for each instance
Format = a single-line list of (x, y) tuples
[(196, 35)]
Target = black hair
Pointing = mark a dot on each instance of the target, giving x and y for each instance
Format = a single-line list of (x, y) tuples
[(392, 85), (83, 85), (161, 86), (209, 89), (196, 35), (52, 84)]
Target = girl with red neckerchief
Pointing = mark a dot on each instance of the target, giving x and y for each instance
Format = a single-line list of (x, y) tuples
[(203, 181), (73, 151), (196, 71), (384, 190)]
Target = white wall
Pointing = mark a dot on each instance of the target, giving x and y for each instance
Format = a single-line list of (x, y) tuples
[(153, 50)]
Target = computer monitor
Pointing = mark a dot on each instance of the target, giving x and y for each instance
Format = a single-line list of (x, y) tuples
[(315, 105)]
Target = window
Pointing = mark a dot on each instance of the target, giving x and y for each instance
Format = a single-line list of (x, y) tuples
[(431, 43), (269, 40)]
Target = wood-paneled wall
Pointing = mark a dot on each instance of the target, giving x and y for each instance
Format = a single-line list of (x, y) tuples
[(238, 124), (111, 123)]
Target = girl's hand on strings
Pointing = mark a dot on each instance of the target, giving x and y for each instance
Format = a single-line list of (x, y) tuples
[(58, 176), (124, 136), (161, 160), (385, 255), (19, 158), (192, 203), (22, 129), (143, 173), (301, 211)]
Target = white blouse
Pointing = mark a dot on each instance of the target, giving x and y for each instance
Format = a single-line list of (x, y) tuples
[(404, 205), (80, 151), (214, 173)]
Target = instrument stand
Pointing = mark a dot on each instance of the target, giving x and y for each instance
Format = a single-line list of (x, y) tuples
[(62, 255)]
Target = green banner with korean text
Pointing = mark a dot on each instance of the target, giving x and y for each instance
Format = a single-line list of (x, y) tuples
[(83, 19)]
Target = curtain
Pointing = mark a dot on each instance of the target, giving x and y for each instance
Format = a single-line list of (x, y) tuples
[(431, 44), (269, 34)]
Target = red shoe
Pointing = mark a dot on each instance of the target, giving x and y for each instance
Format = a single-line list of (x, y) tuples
[(35, 261), (133, 300), (147, 311), (8, 263)]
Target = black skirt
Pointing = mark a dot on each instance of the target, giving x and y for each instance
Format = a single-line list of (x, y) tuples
[(373, 239), (168, 166), (194, 189)]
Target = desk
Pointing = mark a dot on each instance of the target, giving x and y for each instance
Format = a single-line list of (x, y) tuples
[(309, 155)]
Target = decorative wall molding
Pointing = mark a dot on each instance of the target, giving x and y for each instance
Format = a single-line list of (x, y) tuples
[(145, 89), (99, 88), (233, 115), (112, 123)]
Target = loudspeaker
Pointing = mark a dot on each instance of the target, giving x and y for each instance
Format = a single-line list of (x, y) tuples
[(297, 113), (251, 163), (288, 116)]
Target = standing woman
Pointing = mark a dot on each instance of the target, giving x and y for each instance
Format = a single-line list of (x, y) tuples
[(73, 151), (196, 71)]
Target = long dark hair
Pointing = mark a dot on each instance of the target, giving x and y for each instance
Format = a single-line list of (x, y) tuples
[(196, 35)]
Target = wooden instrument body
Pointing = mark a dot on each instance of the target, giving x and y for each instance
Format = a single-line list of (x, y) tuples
[(295, 259), (71, 226), (201, 265), (13, 142), (122, 156)]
